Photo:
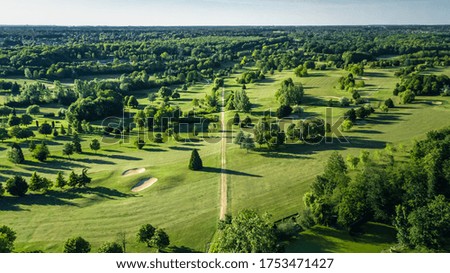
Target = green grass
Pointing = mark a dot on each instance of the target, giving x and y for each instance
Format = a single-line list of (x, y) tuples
[(374, 238), (275, 181), (186, 203)]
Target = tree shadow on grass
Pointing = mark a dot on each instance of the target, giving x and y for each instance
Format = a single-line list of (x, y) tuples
[(178, 148), (181, 249), (125, 157), (101, 191), (227, 171), (375, 74), (311, 243), (311, 100), (154, 150), (60, 164), (193, 144), (301, 150), (275, 154), (95, 161), (112, 151), (15, 172), (9, 203), (366, 131)]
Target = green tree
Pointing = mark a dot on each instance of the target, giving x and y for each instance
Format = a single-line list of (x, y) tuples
[(346, 125), (430, 225), (139, 143), (195, 163), (84, 179), (160, 239), (77, 245), (145, 234), (352, 208), (17, 186), (284, 111), (33, 110), (364, 156), (45, 129), (247, 233), (38, 183), (241, 101), (68, 149), (62, 130), (112, 247), (401, 225), (76, 141), (164, 92), (301, 71), (236, 119), (60, 180), (7, 238), (27, 73), (289, 93), (41, 152), (73, 179), (239, 138), (55, 132), (407, 97), (352, 161), (95, 145), (139, 118), (133, 102), (13, 120), (3, 134), (15, 154), (389, 103), (248, 143), (31, 146), (26, 119), (20, 133)]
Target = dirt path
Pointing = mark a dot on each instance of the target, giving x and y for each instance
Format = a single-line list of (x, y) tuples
[(223, 175)]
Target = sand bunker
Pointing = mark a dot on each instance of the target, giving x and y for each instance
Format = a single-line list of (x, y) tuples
[(143, 184), (133, 171), (436, 102)]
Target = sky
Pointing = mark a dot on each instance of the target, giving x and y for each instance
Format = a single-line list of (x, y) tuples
[(223, 12)]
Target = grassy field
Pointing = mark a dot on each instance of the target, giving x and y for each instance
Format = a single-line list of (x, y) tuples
[(185, 203), (374, 238), (275, 181)]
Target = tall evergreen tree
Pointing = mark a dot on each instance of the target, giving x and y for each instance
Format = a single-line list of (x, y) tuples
[(76, 141), (17, 185), (15, 155), (195, 163), (95, 145), (41, 152), (60, 180)]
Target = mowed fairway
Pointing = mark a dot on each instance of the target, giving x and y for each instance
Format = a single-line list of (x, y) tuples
[(275, 181), (186, 203)]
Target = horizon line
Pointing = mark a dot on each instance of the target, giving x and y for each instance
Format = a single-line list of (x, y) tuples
[(237, 25)]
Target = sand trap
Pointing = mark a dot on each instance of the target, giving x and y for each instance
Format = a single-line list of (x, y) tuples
[(143, 184), (133, 171), (436, 102)]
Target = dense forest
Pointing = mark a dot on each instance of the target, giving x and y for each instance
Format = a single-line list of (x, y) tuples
[(64, 88)]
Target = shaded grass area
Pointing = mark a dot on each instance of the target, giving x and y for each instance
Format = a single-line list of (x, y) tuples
[(374, 238), (186, 203)]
